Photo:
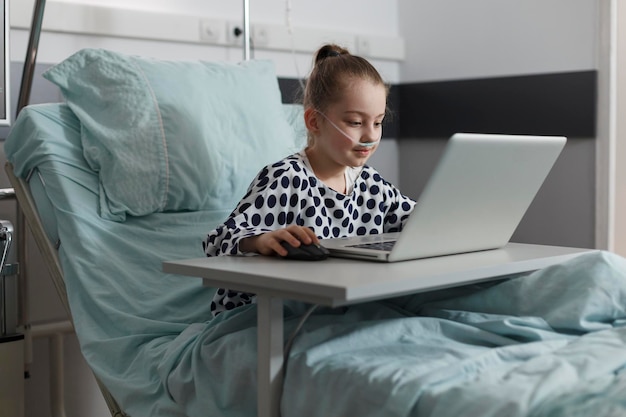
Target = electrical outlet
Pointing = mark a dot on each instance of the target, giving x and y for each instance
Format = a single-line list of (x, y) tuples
[(211, 30), (260, 35)]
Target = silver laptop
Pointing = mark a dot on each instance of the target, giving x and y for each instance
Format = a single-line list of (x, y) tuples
[(474, 200)]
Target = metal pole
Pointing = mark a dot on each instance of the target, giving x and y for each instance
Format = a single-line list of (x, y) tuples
[(31, 55), (246, 30), (23, 99)]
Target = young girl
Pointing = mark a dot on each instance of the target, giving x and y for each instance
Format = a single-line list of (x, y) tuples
[(326, 190)]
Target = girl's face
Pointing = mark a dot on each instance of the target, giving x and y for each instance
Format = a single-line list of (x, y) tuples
[(359, 115)]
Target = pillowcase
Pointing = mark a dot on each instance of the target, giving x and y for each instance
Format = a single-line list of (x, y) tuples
[(172, 136), (295, 117)]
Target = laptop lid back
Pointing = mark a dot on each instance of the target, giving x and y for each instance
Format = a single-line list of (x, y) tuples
[(478, 194)]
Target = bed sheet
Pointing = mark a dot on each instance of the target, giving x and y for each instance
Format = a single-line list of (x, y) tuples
[(547, 344)]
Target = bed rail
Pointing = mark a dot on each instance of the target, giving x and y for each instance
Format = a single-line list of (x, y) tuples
[(51, 258)]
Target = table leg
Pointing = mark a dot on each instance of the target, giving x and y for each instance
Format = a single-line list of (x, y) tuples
[(270, 355)]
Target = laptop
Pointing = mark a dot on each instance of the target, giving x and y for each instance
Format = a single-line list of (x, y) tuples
[(474, 200)]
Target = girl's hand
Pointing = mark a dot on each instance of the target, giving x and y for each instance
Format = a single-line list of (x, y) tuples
[(269, 243)]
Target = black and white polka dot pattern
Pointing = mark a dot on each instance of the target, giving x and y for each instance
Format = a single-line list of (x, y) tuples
[(288, 192)]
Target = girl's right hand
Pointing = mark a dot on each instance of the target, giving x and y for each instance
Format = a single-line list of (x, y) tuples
[(269, 243)]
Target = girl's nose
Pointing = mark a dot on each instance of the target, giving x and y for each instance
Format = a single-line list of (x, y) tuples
[(371, 134)]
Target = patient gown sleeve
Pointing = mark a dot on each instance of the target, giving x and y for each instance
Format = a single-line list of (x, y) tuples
[(271, 202)]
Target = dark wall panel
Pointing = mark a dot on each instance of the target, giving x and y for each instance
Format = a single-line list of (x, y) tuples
[(549, 104), (542, 104)]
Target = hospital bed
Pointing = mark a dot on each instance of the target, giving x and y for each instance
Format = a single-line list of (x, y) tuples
[(146, 156)]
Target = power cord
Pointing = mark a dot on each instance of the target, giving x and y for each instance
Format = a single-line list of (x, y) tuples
[(289, 344), (294, 333), (293, 42)]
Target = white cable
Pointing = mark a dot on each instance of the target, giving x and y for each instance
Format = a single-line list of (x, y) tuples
[(288, 16), (292, 41)]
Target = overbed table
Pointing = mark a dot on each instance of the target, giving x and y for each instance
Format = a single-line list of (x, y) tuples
[(336, 282)]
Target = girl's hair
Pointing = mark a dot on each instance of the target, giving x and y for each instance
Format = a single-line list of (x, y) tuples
[(333, 68)]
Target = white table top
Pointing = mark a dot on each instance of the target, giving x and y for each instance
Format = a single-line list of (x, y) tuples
[(337, 281)]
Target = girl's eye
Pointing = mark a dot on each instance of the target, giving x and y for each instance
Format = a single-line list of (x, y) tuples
[(354, 123)]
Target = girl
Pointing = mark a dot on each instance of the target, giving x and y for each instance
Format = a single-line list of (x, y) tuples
[(326, 190)]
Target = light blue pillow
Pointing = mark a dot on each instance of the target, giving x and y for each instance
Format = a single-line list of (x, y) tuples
[(172, 136), (295, 117)]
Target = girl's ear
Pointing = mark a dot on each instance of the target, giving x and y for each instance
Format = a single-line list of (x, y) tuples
[(311, 120)]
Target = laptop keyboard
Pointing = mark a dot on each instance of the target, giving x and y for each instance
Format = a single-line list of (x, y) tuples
[(384, 246)]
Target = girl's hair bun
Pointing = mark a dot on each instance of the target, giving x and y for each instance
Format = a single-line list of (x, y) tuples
[(329, 51)]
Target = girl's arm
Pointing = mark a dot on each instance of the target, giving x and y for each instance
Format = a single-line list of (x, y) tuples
[(264, 217)]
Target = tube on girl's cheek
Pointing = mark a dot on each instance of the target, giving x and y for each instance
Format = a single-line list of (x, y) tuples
[(355, 141)]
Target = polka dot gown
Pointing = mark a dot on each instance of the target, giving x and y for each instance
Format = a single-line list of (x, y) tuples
[(288, 192)]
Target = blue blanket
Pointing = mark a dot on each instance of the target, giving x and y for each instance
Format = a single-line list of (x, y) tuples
[(552, 343)]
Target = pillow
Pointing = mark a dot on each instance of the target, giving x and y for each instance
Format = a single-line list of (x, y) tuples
[(172, 136), (295, 117)]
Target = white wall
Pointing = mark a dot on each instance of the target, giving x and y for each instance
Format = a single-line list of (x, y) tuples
[(456, 39), (312, 23)]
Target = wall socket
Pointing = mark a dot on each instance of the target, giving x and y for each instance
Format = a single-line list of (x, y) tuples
[(260, 35), (211, 30)]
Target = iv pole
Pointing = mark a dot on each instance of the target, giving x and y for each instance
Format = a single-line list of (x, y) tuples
[(246, 30)]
